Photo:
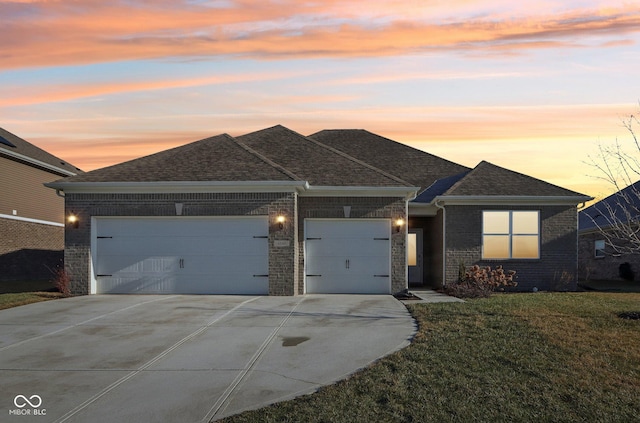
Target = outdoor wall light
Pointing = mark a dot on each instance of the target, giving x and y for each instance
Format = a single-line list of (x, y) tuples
[(281, 219), (399, 223), (73, 220)]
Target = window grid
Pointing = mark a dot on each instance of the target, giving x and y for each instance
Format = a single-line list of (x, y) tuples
[(510, 235)]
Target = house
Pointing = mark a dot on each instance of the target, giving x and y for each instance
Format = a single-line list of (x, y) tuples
[(31, 216), (603, 244), (279, 213)]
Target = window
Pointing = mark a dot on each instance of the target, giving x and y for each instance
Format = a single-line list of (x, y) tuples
[(510, 234), (599, 248)]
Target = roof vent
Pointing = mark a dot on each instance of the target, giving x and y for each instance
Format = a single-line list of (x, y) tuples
[(5, 141)]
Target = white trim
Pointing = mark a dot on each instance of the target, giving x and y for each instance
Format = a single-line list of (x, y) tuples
[(540, 200), (37, 162), (177, 187), (408, 193), (422, 209), (27, 219)]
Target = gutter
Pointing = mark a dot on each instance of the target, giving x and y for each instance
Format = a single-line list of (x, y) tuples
[(38, 163), (176, 187), (444, 240)]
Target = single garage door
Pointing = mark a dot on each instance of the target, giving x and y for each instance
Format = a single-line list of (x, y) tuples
[(347, 256), (186, 255)]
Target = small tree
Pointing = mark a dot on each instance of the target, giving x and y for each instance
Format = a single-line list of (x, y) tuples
[(618, 217)]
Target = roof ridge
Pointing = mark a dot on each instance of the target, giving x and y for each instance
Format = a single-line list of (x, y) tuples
[(355, 160), (265, 159)]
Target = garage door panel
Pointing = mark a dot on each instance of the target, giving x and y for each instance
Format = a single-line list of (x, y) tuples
[(178, 255), (348, 228), (336, 284), (347, 256), (355, 265), (361, 247)]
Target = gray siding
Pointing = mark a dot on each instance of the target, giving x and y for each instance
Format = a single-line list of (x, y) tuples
[(24, 192)]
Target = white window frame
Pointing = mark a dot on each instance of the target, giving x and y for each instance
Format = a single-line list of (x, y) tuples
[(599, 252), (511, 234)]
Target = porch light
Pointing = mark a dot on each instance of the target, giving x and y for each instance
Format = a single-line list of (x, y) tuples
[(73, 220), (281, 219), (399, 223)]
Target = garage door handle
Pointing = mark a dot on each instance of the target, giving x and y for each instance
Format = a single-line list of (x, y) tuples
[(380, 276), (260, 276), (106, 276), (313, 239), (313, 276), (181, 263), (262, 237), (381, 239)]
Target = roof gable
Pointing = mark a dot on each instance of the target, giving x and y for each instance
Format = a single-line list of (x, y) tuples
[(410, 164), (19, 149), (622, 206), (487, 179), (315, 162), (218, 158)]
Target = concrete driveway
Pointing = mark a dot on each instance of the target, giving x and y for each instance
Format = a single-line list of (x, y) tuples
[(185, 358)]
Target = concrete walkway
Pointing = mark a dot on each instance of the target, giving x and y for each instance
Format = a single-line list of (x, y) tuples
[(430, 296), (182, 358)]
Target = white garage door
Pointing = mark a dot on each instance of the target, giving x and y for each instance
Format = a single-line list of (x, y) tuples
[(221, 255), (347, 256)]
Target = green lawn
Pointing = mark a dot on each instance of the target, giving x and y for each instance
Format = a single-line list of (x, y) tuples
[(546, 357), (22, 298)]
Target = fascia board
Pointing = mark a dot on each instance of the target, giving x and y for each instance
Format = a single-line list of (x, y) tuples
[(409, 193), (422, 209), (38, 163), (178, 187), (468, 200)]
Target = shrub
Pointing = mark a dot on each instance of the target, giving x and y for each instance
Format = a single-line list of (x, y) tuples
[(481, 282), (62, 281)]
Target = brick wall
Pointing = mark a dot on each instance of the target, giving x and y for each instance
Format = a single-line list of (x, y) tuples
[(361, 208), (29, 251), (282, 260), (602, 268), (555, 270)]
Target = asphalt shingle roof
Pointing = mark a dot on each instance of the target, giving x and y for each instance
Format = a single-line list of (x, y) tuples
[(25, 148), (415, 166), (218, 158), (618, 207), (315, 162), (489, 179)]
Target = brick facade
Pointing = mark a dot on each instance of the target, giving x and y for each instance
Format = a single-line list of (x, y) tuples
[(556, 269), (286, 258), (602, 268), (282, 260), (29, 251)]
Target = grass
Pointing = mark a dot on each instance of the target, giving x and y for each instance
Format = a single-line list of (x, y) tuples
[(21, 298), (546, 357), (27, 286)]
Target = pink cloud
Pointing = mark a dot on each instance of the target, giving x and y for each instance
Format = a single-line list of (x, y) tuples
[(62, 33)]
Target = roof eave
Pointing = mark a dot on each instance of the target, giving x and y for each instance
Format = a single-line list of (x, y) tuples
[(177, 187), (406, 192), (541, 200), (37, 163)]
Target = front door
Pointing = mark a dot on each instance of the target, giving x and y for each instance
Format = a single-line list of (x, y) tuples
[(415, 256)]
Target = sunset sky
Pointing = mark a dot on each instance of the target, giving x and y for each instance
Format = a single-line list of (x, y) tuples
[(533, 86)]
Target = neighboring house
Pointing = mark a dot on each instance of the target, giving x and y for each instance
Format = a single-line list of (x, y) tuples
[(275, 212), (601, 250), (31, 216)]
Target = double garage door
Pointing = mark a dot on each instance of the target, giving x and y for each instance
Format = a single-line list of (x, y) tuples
[(188, 255), (230, 255)]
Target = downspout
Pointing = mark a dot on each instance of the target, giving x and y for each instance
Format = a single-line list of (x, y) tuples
[(444, 240), (58, 193)]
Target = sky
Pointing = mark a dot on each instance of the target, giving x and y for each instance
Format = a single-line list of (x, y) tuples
[(533, 86)]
